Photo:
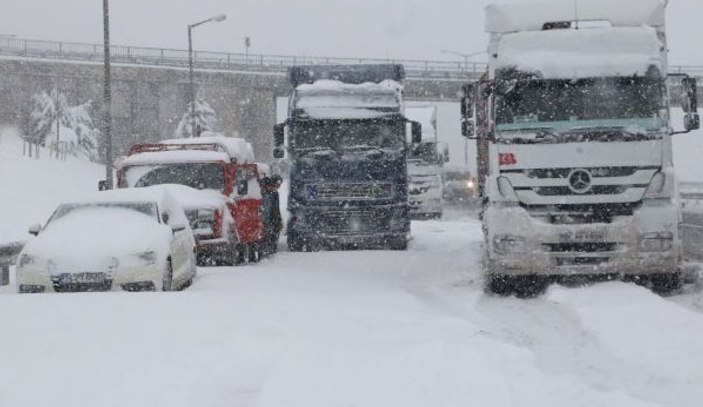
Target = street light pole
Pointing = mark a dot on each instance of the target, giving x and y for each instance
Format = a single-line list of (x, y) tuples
[(191, 74), (107, 97)]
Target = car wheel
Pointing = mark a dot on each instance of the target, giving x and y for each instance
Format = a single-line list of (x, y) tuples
[(168, 277)]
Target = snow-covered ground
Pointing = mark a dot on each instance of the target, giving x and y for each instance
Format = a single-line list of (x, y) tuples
[(354, 328), (374, 328)]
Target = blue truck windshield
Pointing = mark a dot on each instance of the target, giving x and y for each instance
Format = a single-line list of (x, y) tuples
[(339, 135)]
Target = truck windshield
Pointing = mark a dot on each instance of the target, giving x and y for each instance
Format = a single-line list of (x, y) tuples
[(341, 135), (194, 175), (424, 154), (562, 105)]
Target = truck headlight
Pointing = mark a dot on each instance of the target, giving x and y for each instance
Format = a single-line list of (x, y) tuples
[(656, 187), (27, 259), (506, 190), (509, 244), (656, 242)]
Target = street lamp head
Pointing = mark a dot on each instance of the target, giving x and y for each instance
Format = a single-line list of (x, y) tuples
[(220, 17)]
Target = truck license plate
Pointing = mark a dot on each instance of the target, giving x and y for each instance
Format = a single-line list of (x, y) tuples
[(566, 236), (84, 278)]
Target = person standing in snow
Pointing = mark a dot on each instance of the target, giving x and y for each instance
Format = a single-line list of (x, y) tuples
[(272, 213)]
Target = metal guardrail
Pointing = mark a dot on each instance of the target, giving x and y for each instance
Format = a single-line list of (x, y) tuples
[(415, 69)]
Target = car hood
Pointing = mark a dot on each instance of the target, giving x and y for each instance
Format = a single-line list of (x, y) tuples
[(91, 237)]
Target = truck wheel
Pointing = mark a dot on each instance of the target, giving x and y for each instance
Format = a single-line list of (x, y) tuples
[(665, 283), (499, 285), (399, 244)]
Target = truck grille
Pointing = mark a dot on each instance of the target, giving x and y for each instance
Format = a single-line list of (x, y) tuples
[(341, 223), (580, 247), (376, 191), (580, 214)]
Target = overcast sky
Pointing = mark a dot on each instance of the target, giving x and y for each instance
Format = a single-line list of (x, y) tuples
[(409, 29)]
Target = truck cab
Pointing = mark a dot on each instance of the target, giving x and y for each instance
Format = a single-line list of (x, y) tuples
[(346, 144), (574, 136), (224, 205)]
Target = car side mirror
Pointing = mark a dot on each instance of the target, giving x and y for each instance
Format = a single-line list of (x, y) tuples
[(278, 152), (35, 229), (279, 132), (164, 218), (102, 185), (416, 132)]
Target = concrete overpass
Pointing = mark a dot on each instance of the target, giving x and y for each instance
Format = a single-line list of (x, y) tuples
[(150, 85)]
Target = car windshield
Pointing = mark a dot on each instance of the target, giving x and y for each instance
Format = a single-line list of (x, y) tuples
[(564, 105), (147, 208), (341, 135), (195, 175)]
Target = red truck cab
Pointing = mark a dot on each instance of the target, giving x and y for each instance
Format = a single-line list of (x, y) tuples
[(224, 202)]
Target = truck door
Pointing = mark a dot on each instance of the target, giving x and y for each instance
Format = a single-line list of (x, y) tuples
[(246, 204)]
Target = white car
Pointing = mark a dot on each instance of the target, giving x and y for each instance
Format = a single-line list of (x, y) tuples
[(133, 240)]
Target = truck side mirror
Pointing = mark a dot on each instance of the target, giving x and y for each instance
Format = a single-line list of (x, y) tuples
[(35, 229), (242, 188), (102, 185), (278, 152), (279, 132), (468, 122), (416, 132), (689, 103), (468, 128)]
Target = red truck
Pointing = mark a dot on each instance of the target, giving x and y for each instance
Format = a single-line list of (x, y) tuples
[(219, 189)]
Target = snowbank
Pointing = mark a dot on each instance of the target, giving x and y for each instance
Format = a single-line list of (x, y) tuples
[(31, 189)]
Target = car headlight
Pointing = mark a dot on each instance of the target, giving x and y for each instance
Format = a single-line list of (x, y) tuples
[(509, 244), (146, 258), (471, 184), (656, 242), (27, 259)]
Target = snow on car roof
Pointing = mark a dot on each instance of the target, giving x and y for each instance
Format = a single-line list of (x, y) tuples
[(503, 16), (565, 54), (177, 156), (237, 148)]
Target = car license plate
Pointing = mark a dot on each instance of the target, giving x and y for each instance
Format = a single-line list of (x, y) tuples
[(84, 278), (568, 236)]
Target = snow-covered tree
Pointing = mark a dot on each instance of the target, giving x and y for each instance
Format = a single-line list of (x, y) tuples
[(205, 120), (53, 121)]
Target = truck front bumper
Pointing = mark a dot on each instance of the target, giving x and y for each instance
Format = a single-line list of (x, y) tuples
[(643, 244), (369, 226)]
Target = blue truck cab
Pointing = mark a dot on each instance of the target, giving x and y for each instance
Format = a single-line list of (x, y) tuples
[(347, 147)]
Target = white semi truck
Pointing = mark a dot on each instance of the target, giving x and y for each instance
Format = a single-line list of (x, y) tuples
[(425, 162), (574, 141)]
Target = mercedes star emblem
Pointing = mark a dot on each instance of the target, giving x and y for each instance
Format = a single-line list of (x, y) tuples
[(580, 181)]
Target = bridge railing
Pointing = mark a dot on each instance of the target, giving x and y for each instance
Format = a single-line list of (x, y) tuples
[(423, 69), (416, 69)]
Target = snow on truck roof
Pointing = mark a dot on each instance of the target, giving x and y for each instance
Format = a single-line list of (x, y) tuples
[(175, 156), (338, 100), (568, 53), (237, 148), (504, 16)]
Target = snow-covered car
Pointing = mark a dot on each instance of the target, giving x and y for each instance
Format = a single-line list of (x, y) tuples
[(132, 240), (212, 224)]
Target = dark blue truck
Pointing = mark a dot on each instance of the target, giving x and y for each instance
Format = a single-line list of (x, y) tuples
[(347, 139)]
